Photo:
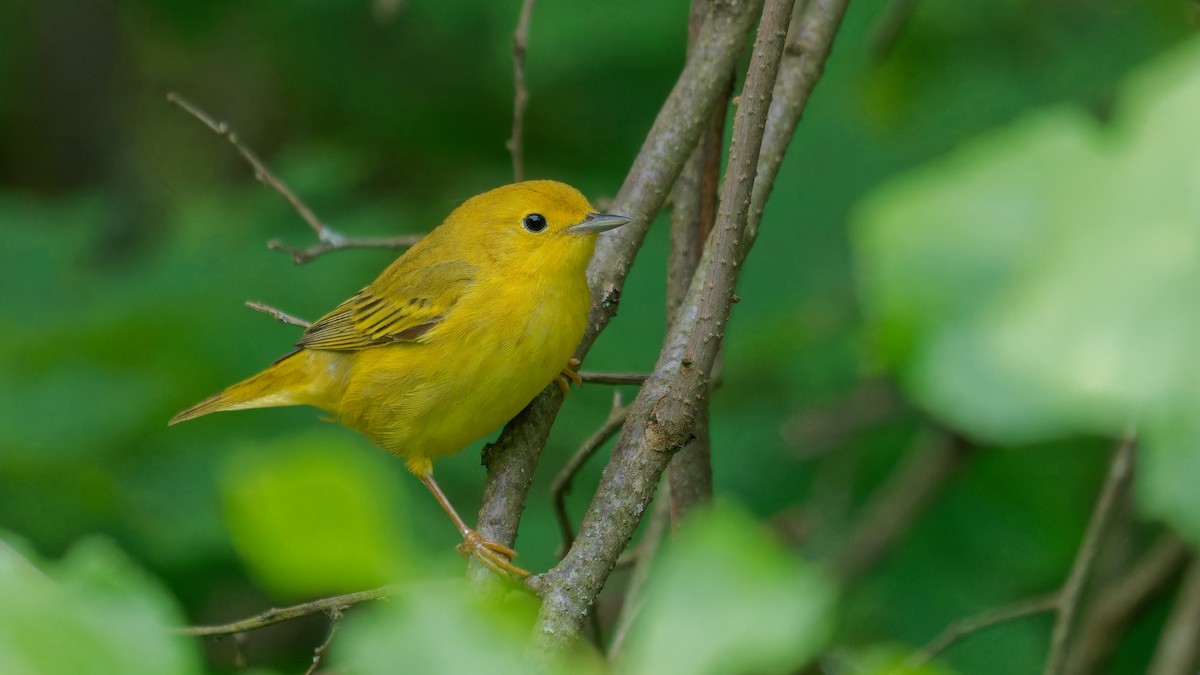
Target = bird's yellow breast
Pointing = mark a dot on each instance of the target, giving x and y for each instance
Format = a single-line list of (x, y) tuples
[(505, 340)]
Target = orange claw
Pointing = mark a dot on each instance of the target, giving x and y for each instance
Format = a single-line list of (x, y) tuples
[(569, 373), (495, 557)]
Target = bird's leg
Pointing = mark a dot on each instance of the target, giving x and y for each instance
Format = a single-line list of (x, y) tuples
[(494, 556), (569, 373)]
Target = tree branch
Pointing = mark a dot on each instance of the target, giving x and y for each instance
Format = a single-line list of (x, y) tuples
[(520, 43), (511, 460), (1120, 602), (328, 239), (663, 414), (900, 500), (562, 482), (335, 621), (280, 315), (971, 625), (1178, 648), (278, 615), (693, 211), (613, 378), (1120, 473)]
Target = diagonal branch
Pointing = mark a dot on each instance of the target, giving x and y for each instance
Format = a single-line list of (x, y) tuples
[(511, 459), (273, 616), (1120, 602), (664, 412), (693, 210), (1178, 651), (328, 239), (562, 482), (1120, 473), (971, 625)]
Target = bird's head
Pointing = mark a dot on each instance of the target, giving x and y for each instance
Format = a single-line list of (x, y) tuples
[(538, 227)]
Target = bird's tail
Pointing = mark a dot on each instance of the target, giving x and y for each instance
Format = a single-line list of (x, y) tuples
[(285, 382)]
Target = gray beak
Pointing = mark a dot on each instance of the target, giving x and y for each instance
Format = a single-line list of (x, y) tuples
[(598, 222)]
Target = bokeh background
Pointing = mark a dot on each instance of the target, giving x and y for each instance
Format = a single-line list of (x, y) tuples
[(130, 236)]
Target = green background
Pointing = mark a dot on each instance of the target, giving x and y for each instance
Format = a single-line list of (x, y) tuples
[(132, 235)]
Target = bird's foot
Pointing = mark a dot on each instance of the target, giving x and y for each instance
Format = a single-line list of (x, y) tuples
[(496, 557), (569, 373)]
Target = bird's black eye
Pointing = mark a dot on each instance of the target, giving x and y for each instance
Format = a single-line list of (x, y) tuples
[(535, 222)]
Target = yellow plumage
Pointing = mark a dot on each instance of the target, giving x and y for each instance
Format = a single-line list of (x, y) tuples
[(453, 339)]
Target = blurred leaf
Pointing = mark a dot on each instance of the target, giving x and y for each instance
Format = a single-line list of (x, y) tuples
[(310, 514), (95, 612), (1043, 280), (727, 598), (443, 628)]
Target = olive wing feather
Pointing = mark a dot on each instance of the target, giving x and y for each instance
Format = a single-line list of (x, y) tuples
[(403, 304)]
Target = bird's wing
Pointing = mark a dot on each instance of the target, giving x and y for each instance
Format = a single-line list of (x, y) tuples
[(401, 306)]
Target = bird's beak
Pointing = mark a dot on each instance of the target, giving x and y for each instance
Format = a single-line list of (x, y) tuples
[(598, 222)]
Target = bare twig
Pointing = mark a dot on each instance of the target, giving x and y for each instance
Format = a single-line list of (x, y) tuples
[(1178, 651), (328, 238), (900, 500), (662, 417), (520, 43), (966, 627), (280, 315), (1120, 473), (613, 378), (1119, 602), (278, 615), (337, 242), (562, 482), (335, 620)]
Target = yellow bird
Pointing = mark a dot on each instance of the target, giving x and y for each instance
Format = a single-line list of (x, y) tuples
[(453, 339)]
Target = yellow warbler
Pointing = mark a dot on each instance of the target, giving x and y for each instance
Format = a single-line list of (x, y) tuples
[(453, 339)]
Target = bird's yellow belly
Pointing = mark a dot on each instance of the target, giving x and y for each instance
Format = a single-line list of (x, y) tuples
[(424, 400)]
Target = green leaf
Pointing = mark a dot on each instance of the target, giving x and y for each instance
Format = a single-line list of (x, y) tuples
[(443, 628), (1043, 280), (311, 514), (93, 612), (727, 598)]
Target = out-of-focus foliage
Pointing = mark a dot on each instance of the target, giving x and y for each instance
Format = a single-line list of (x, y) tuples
[(94, 611), (727, 599), (311, 515), (131, 235), (1043, 281)]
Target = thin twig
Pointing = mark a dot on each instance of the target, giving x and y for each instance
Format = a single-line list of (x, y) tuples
[(335, 620), (905, 494), (1121, 601), (613, 378), (342, 243), (261, 172), (520, 43), (1178, 650), (643, 556), (971, 625), (281, 614), (1120, 473), (562, 482), (280, 315), (328, 239)]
